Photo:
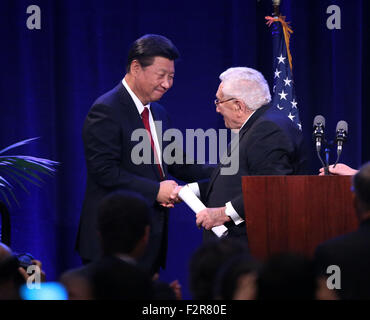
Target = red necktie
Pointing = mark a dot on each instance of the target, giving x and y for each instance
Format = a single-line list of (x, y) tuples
[(145, 117)]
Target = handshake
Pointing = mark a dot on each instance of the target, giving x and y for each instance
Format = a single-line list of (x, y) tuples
[(207, 218), (168, 193)]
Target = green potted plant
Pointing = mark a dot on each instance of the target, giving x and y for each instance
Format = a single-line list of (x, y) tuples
[(15, 170)]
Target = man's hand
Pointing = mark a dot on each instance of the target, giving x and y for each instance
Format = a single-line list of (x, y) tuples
[(175, 194), (212, 217), (176, 287), (25, 275), (166, 189), (340, 170)]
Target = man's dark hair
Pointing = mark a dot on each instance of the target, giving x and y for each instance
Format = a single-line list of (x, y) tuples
[(122, 219), (229, 275), (113, 279), (207, 261), (361, 184), (149, 46), (287, 276), (11, 279)]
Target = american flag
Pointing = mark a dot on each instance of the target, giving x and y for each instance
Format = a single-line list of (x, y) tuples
[(283, 98)]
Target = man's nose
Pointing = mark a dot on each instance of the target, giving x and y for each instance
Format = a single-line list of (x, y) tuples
[(167, 84)]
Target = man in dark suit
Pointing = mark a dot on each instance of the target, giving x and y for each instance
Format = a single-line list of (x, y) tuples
[(112, 162), (266, 143), (350, 252)]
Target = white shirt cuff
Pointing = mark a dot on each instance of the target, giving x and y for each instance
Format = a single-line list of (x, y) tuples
[(230, 211), (195, 188)]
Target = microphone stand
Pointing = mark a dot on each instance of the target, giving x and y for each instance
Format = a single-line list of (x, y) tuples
[(338, 156), (318, 149), (326, 169)]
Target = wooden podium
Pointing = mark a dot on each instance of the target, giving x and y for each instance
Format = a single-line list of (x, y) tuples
[(296, 213)]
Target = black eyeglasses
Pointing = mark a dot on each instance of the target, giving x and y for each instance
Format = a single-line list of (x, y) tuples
[(217, 102)]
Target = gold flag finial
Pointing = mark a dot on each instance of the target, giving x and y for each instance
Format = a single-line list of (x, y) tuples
[(276, 6)]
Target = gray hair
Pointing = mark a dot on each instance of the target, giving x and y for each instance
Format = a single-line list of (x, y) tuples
[(246, 84)]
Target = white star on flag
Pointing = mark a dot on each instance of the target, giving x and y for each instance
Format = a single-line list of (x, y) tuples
[(287, 81), (277, 73), (294, 103), (290, 116), (281, 59), (282, 95)]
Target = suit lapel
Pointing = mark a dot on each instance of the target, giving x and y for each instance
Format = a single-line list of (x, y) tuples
[(130, 111)]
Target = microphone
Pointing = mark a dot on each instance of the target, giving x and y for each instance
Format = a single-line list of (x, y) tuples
[(318, 133), (341, 137), (342, 132)]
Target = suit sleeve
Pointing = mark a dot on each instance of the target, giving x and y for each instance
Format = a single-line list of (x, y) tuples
[(102, 143), (269, 152), (191, 172)]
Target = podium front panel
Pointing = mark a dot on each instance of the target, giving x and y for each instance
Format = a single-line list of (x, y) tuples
[(296, 213)]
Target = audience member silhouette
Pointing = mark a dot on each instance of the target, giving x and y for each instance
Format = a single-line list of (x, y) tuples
[(350, 252), (14, 273), (207, 261), (123, 226), (123, 230), (236, 280), (10, 277), (287, 276)]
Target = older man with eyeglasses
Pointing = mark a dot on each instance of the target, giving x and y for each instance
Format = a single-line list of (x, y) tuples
[(268, 144)]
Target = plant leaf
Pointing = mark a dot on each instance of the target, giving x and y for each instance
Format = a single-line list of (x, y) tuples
[(7, 199), (19, 167), (24, 162), (4, 196), (5, 182), (17, 181), (18, 144), (21, 175)]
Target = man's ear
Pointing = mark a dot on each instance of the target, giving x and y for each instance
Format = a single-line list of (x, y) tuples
[(135, 67), (240, 106)]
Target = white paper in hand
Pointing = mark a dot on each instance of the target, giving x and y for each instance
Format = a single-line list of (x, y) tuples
[(188, 196)]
